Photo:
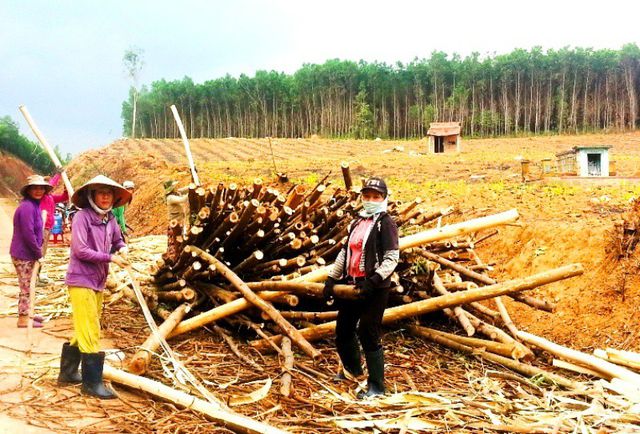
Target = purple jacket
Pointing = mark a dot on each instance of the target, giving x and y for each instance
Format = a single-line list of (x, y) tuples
[(92, 243), (26, 243)]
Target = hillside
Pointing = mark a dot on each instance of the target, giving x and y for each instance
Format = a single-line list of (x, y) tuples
[(13, 174)]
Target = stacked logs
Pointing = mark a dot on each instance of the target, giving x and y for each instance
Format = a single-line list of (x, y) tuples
[(246, 250)]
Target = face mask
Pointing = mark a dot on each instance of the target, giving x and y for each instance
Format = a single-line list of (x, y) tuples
[(370, 208)]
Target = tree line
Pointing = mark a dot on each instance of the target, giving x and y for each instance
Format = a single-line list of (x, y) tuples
[(31, 153), (526, 91)]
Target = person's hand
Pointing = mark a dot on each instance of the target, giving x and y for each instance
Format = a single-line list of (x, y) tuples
[(119, 260), (369, 285), (124, 253), (327, 291)]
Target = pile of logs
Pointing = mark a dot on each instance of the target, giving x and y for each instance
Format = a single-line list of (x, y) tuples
[(259, 254)]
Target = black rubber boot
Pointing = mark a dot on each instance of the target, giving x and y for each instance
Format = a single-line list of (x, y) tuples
[(92, 364), (349, 353), (375, 366), (69, 362)]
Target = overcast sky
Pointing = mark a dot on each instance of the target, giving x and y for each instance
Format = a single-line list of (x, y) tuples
[(63, 59)]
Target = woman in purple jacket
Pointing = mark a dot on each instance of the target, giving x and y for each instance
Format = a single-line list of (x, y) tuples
[(96, 240), (26, 244)]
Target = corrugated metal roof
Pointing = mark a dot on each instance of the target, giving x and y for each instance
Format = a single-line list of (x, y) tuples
[(444, 129)]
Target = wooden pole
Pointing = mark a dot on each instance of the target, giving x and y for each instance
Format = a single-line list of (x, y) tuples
[(187, 147), (431, 235), (225, 416), (249, 295), (48, 148), (287, 366), (32, 307), (581, 358), (503, 349), (458, 298), (522, 368), (140, 361)]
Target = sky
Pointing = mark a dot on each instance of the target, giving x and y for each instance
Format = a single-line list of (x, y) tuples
[(63, 59)]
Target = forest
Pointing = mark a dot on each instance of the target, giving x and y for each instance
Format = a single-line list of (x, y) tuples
[(34, 155), (571, 90)]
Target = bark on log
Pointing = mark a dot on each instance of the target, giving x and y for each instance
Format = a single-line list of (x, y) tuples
[(438, 303), (457, 310), (619, 357), (346, 174), (306, 288), (213, 411), (249, 295)]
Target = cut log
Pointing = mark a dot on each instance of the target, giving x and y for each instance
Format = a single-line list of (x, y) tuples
[(249, 295), (287, 366), (494, 347), (522, 368), (140, 361), (213, 411), (431, 235), (438, 303), (591, 362), (619, 357)]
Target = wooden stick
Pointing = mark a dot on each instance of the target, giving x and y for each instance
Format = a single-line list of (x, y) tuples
[(32, 307), (431, 235), (523, 368), (625, 358), (457, 310), (591, 362), (250, 296), (218, 413), (49, 149), (140, 360), (506, 350), (438, 303), (187, 147), (285, 386)]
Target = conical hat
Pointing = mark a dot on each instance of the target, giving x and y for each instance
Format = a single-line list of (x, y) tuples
[(35, 180), (120, 195)]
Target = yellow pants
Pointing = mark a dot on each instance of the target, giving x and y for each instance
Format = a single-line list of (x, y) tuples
[(86, 305)]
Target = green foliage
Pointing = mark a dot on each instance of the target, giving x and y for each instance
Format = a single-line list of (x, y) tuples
[(31, 153), (525, 91), (363, 128)]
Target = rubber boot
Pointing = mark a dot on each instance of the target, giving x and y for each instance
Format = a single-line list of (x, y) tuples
[(375, 366), (69, 362), (349, 352), (92, 365)]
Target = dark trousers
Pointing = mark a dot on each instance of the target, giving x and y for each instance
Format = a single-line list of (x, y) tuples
[(368, 312)]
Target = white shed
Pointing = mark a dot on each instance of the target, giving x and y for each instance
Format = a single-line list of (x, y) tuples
[(585, 161)]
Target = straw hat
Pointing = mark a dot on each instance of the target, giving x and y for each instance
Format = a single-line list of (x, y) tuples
[(35, 180), (169, 186), (120, 195)]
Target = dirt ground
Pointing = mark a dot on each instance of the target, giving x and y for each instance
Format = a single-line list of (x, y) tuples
[(561, 222)]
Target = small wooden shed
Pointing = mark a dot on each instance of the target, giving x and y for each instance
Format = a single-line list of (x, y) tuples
[(584, 161), (444, 137)]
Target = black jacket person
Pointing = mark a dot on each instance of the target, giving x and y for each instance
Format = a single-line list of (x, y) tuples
[(368, 259)]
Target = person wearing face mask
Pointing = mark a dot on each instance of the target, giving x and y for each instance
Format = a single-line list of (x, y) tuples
[(367, 261), (96, 240), (26, 243)]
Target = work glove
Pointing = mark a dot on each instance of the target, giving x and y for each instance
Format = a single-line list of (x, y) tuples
[(119, 260), (369, 285), (327, 291)]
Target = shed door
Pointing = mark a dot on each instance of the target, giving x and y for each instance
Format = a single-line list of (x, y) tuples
[(439, 146), (594, 162)]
